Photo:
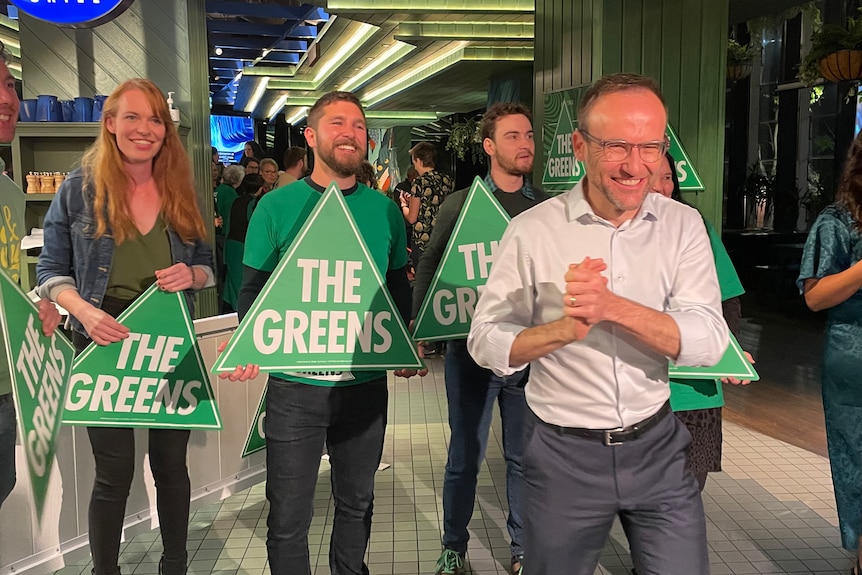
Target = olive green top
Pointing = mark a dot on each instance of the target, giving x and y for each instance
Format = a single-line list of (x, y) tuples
[(135, 262)]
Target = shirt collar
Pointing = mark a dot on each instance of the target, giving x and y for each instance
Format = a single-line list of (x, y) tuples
[(526, 190), (579, 209)]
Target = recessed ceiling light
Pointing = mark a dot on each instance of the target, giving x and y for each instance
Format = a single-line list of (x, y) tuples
[(218, 51)]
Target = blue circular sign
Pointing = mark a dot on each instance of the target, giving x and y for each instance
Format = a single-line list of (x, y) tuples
[(76, 14)]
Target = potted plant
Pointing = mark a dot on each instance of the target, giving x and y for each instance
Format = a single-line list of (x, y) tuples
[(739, 60), (759, 192), (836, 53), (464, 139)]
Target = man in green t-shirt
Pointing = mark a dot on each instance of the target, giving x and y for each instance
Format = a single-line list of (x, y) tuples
[(47, 312), (344, 410)]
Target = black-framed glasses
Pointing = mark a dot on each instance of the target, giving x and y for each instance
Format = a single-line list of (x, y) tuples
[(619, 150)]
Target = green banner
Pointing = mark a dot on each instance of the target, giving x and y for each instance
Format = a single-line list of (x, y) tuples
[(40, 368), (732, 364), (448, 307), (325, 307), (256, 440), (154, 378)]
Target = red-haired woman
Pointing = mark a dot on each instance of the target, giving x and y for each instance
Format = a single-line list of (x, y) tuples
[(129, 217)]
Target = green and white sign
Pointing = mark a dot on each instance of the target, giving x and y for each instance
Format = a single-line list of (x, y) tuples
[(732, 364), (561, 167), (448, 307), (154, 378), (256, 439), (40, 368), (325, 307), (689, 180)]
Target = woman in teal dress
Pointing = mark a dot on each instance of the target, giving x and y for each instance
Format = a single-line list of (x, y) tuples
[(830, 277)]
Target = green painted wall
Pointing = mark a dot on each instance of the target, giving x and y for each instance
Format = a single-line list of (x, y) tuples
[(163, 40), (680, 43)]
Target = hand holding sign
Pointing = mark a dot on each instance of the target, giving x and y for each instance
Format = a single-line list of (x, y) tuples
[(49, 316), (100, 326), (241, 373), (178, 277), (735, 381)]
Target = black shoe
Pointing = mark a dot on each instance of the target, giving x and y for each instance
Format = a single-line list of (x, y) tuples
[(172, 566)]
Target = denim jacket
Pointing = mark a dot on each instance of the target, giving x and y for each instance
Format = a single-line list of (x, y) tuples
[(73, 257)]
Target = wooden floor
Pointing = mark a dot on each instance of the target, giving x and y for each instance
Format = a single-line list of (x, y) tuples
[(785, 403)]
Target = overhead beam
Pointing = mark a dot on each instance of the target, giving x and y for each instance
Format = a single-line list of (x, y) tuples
[(414, 31), (439, 6), (274, 11), (253, 29), (253, 42)]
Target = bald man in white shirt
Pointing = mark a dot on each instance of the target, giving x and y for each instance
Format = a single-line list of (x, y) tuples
[(597, 290)]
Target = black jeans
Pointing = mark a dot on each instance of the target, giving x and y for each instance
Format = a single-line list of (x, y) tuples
[(114, 450), (299, 418)]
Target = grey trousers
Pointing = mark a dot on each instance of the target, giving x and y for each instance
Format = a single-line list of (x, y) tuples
[(575, 487)]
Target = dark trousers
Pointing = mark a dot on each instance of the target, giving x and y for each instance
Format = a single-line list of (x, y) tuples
[(114, 450), (300, 418), (471, 392), (7, 446), (575, 487)]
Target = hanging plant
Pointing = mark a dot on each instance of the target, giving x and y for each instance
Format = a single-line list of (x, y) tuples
[(463, 139), (834, 53), (739, 59)]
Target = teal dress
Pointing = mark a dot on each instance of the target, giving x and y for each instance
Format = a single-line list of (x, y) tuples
[(833, 246)]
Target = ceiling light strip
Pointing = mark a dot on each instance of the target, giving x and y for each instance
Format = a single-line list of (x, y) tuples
[(392, 54), (357, 39), (276, 108), (416, 75), (259, 90), (491, 6), (299, 115)]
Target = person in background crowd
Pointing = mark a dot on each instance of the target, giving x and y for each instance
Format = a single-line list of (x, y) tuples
[(269, 171), (471, 391), (429, 190), (251, 165), (346, 411), (830, 277), (366, 175), (225, 195), (704, 454), (252, 150), (48, 314), (127, 218), (250, 190), (295, 164), (598, 345)]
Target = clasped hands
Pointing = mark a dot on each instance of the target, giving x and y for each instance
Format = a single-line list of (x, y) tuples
[(586, 297)]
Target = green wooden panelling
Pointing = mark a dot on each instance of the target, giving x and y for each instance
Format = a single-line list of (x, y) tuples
[(681, 43)]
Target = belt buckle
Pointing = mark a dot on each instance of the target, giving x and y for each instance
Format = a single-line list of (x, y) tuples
[(608, 440)]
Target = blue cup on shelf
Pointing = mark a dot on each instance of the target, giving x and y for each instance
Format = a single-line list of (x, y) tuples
[(27, 111), (98, 103), (83, 109), (47, 108), (68, 108)]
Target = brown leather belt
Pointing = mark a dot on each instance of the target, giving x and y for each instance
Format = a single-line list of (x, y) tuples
[(618, 435)]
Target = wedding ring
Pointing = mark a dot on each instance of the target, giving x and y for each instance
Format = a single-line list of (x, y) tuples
[(572, 300)]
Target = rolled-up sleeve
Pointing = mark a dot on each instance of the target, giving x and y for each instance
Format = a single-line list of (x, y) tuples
[(505, 306), (695, 303), (54, 269)]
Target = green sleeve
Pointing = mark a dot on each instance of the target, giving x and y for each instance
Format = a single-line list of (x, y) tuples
[(728, 280), (261, 241)]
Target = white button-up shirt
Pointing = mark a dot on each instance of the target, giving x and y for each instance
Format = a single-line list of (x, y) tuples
[(660, 259)]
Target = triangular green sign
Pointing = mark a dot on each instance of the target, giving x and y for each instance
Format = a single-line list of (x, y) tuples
[(688, 176), (561, 167), (325, 307), (732, 364), (256, 440), (154, 378), (448, 307), (40, 368)]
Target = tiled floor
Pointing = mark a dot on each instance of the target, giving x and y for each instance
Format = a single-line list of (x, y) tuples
[(770, 511)]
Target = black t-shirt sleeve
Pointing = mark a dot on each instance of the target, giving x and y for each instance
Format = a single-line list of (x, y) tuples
[(253, 281)]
